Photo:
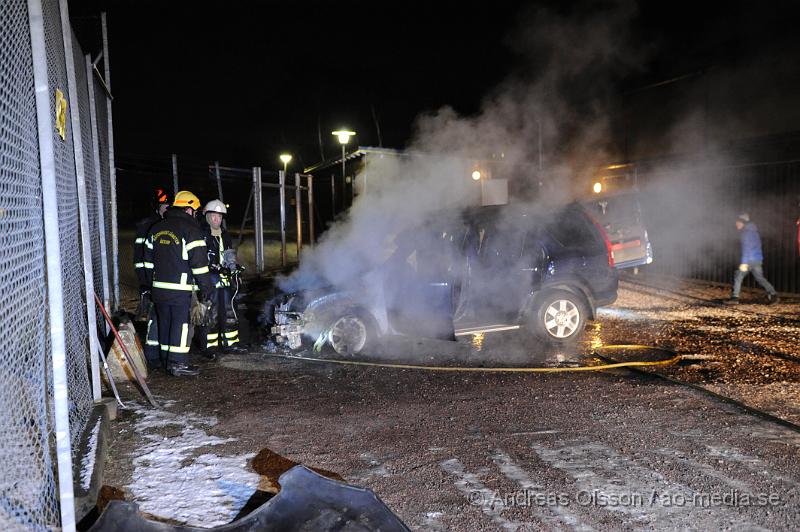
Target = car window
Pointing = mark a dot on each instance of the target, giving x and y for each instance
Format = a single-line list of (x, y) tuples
[(616, 210), (572, 229), (501, 244)]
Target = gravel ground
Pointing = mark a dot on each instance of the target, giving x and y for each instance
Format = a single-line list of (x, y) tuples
[(476, 451), (749, 352)]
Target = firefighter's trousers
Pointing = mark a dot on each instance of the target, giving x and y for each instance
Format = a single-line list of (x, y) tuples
[(174, 333), (152, 346), (224, 328)]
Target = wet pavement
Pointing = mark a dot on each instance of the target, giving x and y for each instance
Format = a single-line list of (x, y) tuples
[(491, 451)]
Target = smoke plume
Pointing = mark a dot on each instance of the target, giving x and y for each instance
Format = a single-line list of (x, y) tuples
[(559, 97)]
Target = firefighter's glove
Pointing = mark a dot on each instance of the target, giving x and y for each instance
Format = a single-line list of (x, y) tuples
[(206, 306), (200, 312), (145, 304), (743, 267)]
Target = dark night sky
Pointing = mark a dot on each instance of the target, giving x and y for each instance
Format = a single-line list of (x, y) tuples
[(241, 81)]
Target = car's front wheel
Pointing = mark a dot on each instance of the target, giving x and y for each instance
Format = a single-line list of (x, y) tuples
[(559, 316), (351, 333)]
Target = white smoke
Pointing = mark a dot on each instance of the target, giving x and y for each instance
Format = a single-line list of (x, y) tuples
[(558, 98)]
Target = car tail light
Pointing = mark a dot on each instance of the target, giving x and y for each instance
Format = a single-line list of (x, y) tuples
[(607, 241), (626, 245)]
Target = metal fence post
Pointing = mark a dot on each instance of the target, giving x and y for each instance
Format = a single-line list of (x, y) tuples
[(298, 203), (246, 214), (333, 196), (258, 220), (219, 181), (80, 175), (311, 235), (282, 180), (101, 219), (112, 171), (175, 174), (55, 287)]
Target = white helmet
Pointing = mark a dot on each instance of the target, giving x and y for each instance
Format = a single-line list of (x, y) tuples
[(215, 206)]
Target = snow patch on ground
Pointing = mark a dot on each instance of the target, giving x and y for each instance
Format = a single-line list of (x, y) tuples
[(170, 479), (87, 461)]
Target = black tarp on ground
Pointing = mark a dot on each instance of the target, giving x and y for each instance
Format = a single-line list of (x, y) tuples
[(307, 501)]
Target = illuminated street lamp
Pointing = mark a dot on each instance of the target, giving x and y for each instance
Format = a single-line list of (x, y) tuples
[(598, 187), (344, 137), (476, 175), (285, 159)]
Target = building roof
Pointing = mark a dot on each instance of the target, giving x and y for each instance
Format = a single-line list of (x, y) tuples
[(355, 154)]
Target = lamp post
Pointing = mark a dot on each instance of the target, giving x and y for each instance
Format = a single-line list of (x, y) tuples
[(344, 137), (477, 176), (285, 159)]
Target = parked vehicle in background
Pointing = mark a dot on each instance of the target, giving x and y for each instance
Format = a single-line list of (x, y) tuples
[(485, 268), (621, 217)]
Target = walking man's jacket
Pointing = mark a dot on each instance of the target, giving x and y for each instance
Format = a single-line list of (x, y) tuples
[(176, 260), (751, 244)]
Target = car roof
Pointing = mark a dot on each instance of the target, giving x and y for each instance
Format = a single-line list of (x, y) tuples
[(509, 212)]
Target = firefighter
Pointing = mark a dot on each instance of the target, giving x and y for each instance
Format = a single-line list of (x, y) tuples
[(222, 334), (176, 264), (146, 310)]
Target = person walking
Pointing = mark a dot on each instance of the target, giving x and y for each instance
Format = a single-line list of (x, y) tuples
[(751, 261), (146, 310), (176, 264), (222, 333)]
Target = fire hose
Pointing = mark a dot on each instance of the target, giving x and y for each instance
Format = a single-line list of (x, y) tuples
[(674, 359)]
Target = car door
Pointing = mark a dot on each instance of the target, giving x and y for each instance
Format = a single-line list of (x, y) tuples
[(418, 284), (502, 273)]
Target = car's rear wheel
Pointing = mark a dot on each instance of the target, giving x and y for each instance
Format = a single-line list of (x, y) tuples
[(560, 316)]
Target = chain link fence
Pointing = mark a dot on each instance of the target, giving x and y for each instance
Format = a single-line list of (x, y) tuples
[(79, 389), (104, 194), (27, 480), (29, 488), (90, 172)]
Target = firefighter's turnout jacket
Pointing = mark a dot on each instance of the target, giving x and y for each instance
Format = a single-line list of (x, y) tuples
[(142, 229), (175, 259), (216, 249)]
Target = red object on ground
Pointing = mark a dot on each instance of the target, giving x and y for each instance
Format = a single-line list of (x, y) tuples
[(138, 375)]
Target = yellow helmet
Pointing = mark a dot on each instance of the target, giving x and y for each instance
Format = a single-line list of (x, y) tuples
[(184, 198)]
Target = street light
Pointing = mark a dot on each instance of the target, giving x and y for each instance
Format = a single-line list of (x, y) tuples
[(476, 175), (285, 159), (344, 137), (598, 187)]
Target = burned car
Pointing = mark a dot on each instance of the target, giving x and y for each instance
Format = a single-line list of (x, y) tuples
[(489, 267)]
